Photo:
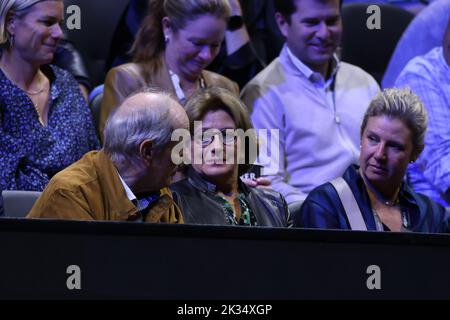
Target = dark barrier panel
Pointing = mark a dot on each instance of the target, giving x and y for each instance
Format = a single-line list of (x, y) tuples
[(129, 260)]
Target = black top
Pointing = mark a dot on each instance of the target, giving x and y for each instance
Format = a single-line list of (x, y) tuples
[(200, 204), (69, 58)]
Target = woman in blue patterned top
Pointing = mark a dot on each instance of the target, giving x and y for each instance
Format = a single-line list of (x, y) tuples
[(45, 124)]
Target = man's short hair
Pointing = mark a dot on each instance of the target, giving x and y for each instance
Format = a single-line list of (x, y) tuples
[(288, 7), (131, 124)]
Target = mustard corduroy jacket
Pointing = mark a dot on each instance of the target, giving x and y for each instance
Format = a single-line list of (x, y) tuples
[(90, 189)]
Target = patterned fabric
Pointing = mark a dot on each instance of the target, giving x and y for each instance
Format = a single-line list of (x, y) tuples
[(30, 154), (247, 217), (429, 77), (144, 202)]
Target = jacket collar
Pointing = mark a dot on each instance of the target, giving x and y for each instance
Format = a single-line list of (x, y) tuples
[(201, 183), (299, 68), (118, 201), (109, 180), (157, 73), (407, 196), (352, 174)]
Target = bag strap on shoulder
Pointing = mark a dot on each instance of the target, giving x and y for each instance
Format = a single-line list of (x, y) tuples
[(354, 215)]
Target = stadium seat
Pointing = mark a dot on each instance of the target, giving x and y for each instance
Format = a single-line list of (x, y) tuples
[(18, 203), (99, 19), (371, 49)]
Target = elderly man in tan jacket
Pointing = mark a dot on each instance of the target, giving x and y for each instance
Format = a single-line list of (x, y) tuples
[(127, 180)]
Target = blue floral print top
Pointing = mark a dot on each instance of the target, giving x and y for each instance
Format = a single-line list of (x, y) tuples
[(30, 153)]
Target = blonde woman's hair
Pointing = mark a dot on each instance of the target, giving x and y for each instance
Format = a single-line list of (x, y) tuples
[(404, 105), (17, 8)]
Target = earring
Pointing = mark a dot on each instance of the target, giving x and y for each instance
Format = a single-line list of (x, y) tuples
[(166, 38), (11, 41)]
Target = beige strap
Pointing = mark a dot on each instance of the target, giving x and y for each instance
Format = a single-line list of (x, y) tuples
[(351, 207)]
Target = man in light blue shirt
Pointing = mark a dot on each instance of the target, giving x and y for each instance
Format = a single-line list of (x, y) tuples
[(429, 77), (315, 101)]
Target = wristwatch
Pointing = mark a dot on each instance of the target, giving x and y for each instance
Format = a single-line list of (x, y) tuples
[(235, 22)]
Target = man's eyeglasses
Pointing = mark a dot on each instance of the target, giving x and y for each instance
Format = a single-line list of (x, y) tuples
[(227, 136)]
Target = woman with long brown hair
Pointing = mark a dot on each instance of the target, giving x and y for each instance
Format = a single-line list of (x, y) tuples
[(176, 42)]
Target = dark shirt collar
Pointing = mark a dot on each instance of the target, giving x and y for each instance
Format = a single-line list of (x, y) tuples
[(200, 182), (352, 175)]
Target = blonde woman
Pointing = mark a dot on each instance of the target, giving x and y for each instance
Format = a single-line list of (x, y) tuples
[(45, 123)]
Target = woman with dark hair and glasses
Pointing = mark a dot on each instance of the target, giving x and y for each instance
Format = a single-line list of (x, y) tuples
[(212, 192)]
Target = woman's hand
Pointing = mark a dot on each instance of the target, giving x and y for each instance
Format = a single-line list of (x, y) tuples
[(261, 182)]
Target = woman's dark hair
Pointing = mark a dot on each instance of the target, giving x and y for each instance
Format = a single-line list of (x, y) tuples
[(288, 7), (213, 99)]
